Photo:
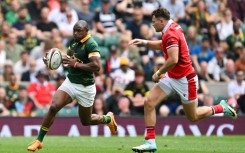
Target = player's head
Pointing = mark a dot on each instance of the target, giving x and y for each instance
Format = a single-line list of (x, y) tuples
[(80, 30), (160, 18)]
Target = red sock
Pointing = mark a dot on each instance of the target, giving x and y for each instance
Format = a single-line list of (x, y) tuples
[(150, 132), (217, 109)]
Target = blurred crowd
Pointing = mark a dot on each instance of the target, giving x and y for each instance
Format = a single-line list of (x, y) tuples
[(214, 30)]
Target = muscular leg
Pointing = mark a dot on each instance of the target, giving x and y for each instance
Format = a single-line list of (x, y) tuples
[(155, 96), (87, 118), (60, 99), (194, 113)]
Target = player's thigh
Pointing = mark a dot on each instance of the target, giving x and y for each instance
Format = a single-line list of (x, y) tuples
[(190, 109), (61, 98), (156, 95)]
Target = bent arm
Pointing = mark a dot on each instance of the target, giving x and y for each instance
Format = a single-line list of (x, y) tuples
[(173, 57), (92, 66), (154, 44)]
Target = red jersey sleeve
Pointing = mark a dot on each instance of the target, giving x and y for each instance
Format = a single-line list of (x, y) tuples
[(171, 41)]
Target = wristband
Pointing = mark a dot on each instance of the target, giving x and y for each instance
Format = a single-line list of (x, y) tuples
[(145, 42), (158, 73), (75, 65)]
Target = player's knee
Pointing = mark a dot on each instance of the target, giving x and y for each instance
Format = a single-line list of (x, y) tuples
[(149, 103), (193, 118), (54, 108)]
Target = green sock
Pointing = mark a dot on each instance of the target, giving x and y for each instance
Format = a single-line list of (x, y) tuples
[(106, 119), (42, 133)]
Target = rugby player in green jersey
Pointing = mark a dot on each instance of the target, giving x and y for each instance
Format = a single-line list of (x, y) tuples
[(83, 61)]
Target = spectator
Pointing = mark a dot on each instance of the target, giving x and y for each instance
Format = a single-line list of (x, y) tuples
[(59, 15), (236, 36), (225, 27), (40, 51), (218, 16), (99, 106), (66, 27), (176, 9), (113, 62), (29, 40), (201, 17), (237, 6), (192, 37), (44, 25), (13, 49), (85, 14), (23, 64), (217, 64), (204, 98), (213, 36), (24, 105), (124, 75), (3, 101), (171, 106), (2, 55), (137, 90), (148, 7), (12, 88), (11, 16), (112, 100), (134, 25), (41, 91), (203, 74), (212, 6), (23, 18), (236, 88), (124, 107), (106, 21), (131, 52), (34, 8), (228, 74), (5, 31), (201, 53), (7, 71), (240, 63), (30, 75), (59, 80), (235, 53)]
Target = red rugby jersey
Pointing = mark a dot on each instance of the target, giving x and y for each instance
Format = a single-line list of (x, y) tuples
[(173, 36)]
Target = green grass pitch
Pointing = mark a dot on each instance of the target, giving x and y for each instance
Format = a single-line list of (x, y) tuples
[(85, 144)]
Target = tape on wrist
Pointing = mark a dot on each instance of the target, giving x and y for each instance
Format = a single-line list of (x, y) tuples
[(145, 42)]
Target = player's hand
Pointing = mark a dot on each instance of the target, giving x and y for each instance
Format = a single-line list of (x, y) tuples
[(137, 42), (45, 59), (155, 77), (68, 61)]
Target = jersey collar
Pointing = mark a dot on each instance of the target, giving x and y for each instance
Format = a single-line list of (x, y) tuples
[(167, 25), (85, 38)]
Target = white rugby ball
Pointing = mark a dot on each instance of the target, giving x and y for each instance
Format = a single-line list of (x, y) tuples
[(54, 58)]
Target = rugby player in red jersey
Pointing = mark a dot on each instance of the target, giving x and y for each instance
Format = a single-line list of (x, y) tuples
[(176, 76)]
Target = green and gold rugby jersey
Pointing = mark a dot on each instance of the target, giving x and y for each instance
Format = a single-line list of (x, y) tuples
[(81, 51)]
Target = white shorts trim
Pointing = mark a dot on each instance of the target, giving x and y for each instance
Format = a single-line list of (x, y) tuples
[(83, 94)]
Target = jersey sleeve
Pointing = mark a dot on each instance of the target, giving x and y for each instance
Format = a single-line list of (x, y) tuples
[(93, 49), (171, 41)]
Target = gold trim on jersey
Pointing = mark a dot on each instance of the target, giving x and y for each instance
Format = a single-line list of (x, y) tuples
[(128, 92), (94, 54), (85, 38)]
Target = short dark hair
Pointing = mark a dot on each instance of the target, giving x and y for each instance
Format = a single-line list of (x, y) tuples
[(161, 13)]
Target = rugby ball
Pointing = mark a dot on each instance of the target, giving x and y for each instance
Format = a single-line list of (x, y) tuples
[(54, 58)]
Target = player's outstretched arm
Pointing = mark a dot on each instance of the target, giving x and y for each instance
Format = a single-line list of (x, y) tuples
[(153, 44)]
